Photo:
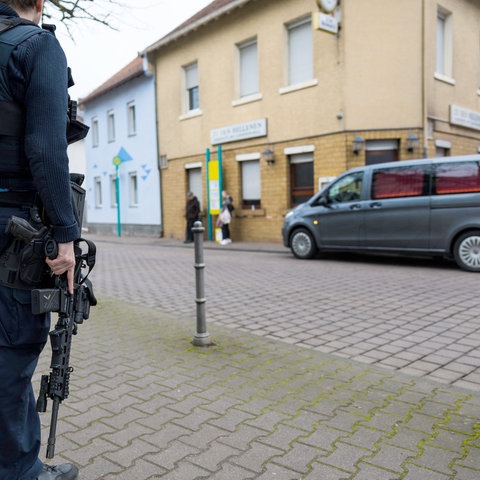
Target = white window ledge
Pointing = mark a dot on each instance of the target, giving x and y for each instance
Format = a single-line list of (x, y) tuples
[(249, 99), (191, 114), (190, 165), (444, 78), (298, 86), (245, 157)]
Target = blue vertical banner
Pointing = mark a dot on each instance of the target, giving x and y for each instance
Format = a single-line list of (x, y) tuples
[(121, 157)]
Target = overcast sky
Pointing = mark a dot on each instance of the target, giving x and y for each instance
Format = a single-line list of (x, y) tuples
[(98, 52)]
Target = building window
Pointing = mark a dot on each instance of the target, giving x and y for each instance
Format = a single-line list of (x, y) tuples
[(442, 152), (131, 119), (251, 191), (194, 181), (192, 94), (98, 192), (132, 189), (111, 125), (248, 68), (113, 191), (444, 66), (301, 178), (300, 52), (381, 151), (95, 133)]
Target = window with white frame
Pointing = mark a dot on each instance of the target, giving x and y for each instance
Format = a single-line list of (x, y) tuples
[(192, 94), (111, 125), (98, 192), (251, 184), (300, 51), (194, 182), (301, 178), (248, 68), (95, 132), (444, 63), (133, 189), (113, 191), (131, 119)]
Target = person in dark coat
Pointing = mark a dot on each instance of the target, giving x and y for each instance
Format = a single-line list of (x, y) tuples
[(192, 212)]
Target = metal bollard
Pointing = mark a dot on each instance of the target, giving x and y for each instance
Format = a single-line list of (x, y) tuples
[(201, 337)]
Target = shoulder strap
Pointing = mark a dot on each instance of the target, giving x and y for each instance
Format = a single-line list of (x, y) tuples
[(11, 115), (9, 42)]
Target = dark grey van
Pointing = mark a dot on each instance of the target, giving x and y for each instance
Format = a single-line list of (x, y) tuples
[(428, 207)]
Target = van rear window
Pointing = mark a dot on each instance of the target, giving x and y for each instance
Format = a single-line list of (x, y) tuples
[(461, 177), (398, 182)]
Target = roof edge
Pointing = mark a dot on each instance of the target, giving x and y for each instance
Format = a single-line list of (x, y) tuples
[(119, 79), (189, 27)]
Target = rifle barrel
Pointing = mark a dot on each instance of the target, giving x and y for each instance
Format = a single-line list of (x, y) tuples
[(53, 428)]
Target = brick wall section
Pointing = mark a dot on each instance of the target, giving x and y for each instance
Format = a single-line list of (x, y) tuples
[(332, 155), (174, 198)]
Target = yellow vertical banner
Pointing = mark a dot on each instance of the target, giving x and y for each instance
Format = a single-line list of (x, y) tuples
[(214, 187)]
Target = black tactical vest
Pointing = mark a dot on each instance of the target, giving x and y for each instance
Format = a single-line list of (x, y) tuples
[(13, 31)]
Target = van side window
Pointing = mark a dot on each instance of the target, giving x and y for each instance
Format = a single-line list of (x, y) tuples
[(399, 182), (347, 189), (461, 177)]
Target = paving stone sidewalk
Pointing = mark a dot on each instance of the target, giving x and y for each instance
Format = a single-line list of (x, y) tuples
[(146, 404)]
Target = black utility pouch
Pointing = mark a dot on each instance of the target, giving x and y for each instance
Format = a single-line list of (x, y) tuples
[(22, 263), (33, 270)]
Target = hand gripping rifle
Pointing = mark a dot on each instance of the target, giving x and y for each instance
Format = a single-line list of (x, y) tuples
[(72, 310)]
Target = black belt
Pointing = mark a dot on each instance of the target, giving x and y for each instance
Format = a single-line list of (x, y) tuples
[(17, 199)]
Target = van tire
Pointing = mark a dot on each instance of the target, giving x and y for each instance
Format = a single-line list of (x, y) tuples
[(466, 251), (302, 244)]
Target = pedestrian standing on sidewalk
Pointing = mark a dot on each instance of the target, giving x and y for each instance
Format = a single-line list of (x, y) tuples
[(226, 217), (34, 166), (192, 212)]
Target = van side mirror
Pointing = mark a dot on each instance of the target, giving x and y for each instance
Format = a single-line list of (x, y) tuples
[(322, 201)]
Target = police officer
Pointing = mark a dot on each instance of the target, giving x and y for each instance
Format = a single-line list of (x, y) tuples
[(33, 166)]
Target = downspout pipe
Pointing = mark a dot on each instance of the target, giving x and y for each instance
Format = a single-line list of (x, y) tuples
[(145, 62), (424, 82)]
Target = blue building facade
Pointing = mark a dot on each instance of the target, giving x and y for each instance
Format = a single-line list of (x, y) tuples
[(122, 173)]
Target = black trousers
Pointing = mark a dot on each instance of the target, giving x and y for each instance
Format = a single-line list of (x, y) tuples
[(189, 233), (225, 231), (22, 337)]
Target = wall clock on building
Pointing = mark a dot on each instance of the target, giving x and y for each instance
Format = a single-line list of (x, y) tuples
[(327, 6)]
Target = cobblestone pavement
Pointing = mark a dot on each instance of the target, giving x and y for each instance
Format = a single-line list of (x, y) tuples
[(420, 317), (147, 404)]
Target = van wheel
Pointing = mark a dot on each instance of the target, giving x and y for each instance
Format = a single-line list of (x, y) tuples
[(466, 251), (302, 244)]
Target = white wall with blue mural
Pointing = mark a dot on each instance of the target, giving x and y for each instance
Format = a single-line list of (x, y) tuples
[(122, 177)]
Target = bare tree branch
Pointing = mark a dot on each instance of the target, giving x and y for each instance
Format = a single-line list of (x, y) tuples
[(69, 11)]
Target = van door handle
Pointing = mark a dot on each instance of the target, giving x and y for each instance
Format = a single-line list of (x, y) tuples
[(376, 205), (355, 206)]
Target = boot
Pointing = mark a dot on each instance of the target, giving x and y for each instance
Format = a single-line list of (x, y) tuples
[(66, 471)]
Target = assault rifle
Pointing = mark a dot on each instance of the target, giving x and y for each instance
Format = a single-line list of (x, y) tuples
[(72, 311)]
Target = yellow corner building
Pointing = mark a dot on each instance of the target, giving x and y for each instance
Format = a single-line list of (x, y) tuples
[(280, 96)]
